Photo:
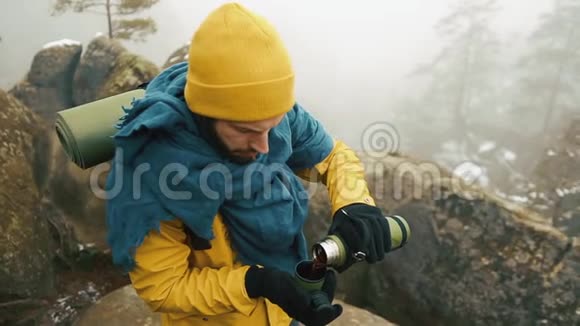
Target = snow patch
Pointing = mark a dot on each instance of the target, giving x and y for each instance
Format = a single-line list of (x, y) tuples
[(471, 173), (519, 199), (63, 42), (542, 196), (509, 156), (486, 147), (561, 192)]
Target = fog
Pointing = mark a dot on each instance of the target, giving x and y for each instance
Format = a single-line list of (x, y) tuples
[(375, 40), (353, 61), (483, 88)]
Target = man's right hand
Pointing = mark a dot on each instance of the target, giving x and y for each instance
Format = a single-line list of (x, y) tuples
[(312, 308)]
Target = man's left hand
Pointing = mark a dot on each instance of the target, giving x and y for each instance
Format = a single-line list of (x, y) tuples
[(363, 228)]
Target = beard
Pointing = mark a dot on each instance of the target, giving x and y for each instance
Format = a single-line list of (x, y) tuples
[(208, 131), (240, 159)]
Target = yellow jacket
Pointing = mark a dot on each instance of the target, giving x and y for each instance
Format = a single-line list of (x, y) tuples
[(206, 287)]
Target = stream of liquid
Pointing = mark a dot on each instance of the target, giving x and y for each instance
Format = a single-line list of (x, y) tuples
[(317, 266)]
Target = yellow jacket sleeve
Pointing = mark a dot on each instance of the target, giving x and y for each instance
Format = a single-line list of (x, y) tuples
[(164, 279), (342, 172)]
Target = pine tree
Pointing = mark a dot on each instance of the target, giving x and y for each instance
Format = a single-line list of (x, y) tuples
[(462, 74), (550, 72), (461, 82), (135, 29)]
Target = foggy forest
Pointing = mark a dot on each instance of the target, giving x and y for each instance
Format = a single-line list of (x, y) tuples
[(486, 92)]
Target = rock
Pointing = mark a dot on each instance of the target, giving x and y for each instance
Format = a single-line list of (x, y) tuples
[(352, 315), (94, 69), (119, 308), (45, 101), (129, 72), (123, 307), (554, 187), (54, 66), (107, 69), (81, 287), (86, 213), (473, 258), (48, 86), (177, 56), (26, 273)]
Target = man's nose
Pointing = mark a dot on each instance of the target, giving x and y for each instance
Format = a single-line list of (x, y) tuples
[(260, 143)]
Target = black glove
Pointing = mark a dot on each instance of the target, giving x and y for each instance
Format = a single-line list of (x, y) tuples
[(362, 228), (311, 308)]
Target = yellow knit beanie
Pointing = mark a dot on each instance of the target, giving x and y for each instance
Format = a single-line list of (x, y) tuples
[(239, 69)]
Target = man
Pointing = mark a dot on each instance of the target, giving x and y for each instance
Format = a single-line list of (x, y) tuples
[(209, 218)]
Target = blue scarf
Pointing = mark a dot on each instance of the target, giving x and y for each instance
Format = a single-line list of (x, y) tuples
[(165, 169)]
